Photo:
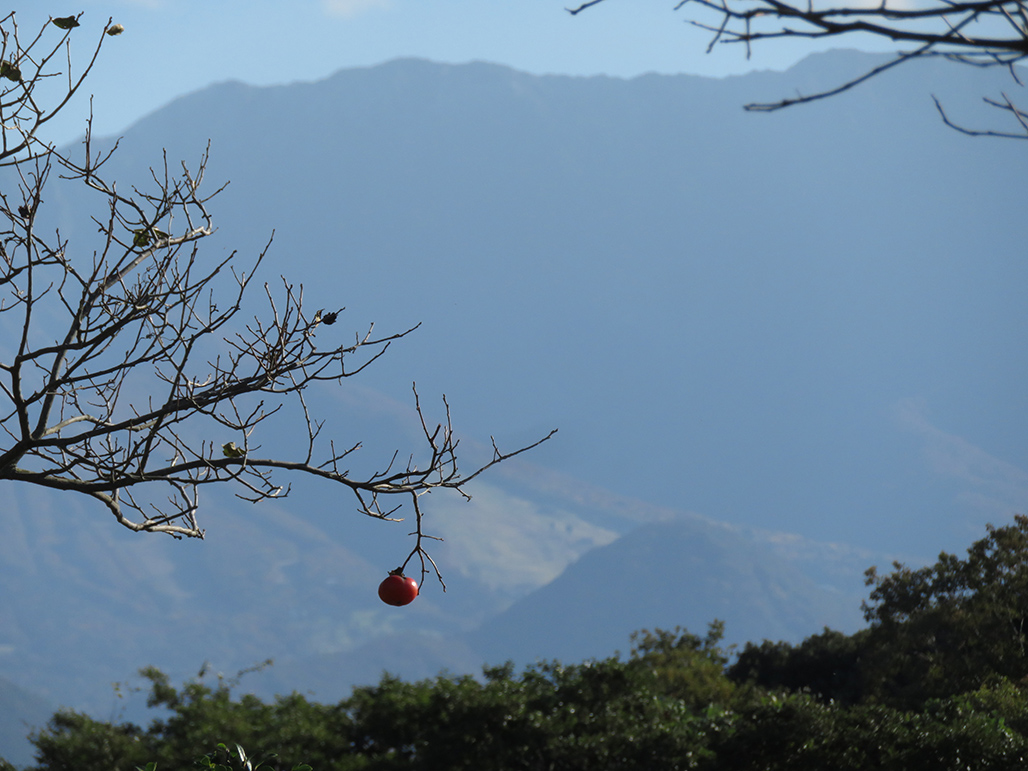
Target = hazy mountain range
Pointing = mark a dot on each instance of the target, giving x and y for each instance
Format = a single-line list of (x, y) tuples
[(779, 348)]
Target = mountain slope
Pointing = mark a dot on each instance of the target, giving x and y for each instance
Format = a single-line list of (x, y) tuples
[(20, 713), (679, 285), (806, 323), (682, 573)]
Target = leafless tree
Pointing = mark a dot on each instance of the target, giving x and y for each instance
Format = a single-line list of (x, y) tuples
[(131, 375), (980, 33)]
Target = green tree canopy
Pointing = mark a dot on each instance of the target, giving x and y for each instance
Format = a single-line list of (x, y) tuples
[(954, 626), (937, 681)]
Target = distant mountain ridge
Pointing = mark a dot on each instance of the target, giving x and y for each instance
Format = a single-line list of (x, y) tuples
[(721, 312), (684, 572), (645, 251)]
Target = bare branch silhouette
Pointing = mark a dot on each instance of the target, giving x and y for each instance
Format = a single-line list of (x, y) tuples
[(133, 375), (985, 33)]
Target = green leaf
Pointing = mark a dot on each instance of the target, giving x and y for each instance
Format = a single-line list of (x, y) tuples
[(231, 450), (66, 22), (141, 237), (10, 71)]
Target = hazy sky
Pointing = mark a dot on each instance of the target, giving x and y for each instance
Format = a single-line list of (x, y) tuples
[(173, 47)]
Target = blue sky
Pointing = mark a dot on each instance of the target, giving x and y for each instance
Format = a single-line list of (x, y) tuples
[(174, 47)]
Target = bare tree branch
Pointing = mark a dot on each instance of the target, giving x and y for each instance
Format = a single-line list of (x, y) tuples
[(582, 7), (1019, 115), (134, 376), (982, 33)]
